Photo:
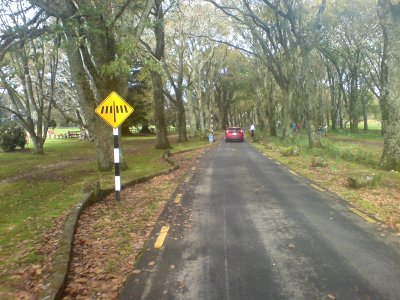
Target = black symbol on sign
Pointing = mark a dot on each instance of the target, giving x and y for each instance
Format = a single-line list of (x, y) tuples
[(114, 109)]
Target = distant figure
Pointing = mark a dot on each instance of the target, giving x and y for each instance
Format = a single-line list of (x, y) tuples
[(326, 129), (252, 129), (319, 131), (298, 127)]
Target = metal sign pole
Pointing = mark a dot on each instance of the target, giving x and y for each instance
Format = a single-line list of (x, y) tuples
[(116, 164)]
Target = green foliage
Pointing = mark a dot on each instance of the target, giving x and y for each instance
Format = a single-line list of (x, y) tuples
[(343, 146), (115, 68), (351, 152), (290, 151), (12, 136)]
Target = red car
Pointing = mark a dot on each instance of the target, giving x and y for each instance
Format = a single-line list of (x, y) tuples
[(234, 134)]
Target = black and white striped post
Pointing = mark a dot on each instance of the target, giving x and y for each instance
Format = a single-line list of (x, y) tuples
[(212, 122), (116, 165), (211, 136)]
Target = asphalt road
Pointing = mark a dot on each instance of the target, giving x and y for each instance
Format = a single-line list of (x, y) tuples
[(245, 227)]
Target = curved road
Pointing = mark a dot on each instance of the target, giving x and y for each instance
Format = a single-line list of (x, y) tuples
[(245, 227)]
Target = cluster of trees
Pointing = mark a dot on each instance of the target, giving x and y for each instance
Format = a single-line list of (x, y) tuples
[(235, 61)]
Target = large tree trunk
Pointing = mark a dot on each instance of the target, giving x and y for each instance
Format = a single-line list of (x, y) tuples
[(192, 112), (389, 11), (181, 118), (313, 140), (158, 87), (287, 132), (101, 132), (38, 143), (271, 110), (158, 97), (200, 97), (181, 115)]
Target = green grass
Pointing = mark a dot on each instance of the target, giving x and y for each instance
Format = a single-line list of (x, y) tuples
[(364, 148), (37, 189), (372, 125), (346, 154)]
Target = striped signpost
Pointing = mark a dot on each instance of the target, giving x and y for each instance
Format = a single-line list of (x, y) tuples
[(114, 110), (211, 135)]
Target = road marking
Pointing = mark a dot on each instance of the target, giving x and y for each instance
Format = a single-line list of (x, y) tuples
[(178, 198), (187, 179), (161, 237), (317, 187), (293, 172), (193, 168), (278, 163), (362, 215)]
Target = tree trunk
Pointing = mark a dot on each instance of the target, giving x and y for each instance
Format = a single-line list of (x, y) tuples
[(313, 140), (181, 118), (100, 131), (158, 87), (158, 97), (390, 20), (181, 115), (365, 113), (200, 106), (288, 98), (38, 143), (192, 112), (271, 112)]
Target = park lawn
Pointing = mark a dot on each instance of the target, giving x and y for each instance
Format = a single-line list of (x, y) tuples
[(36, 190), (344, 158)]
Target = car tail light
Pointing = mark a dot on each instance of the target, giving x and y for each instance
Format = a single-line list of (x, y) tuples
[(241, 130)]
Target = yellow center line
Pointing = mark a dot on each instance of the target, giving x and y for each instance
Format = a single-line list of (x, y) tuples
[(178, 198), (362, 215), (161, 237), (317, 187)]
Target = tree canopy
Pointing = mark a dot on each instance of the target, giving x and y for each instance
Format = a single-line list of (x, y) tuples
[(313, 63)]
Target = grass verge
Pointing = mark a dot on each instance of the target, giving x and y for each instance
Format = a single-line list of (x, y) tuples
[(37, 190), (352, 156)]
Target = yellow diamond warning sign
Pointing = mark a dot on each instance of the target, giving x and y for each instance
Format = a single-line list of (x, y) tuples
[(114, 110)]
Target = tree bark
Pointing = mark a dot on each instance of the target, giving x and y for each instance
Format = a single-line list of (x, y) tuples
[(389, 12), (158, 97), (313, 140), (192, 111), (156, 79), (101, 132)]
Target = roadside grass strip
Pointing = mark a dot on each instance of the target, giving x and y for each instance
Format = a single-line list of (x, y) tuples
[(178, 198), (362, 215), (317, 187), (161, 237)]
